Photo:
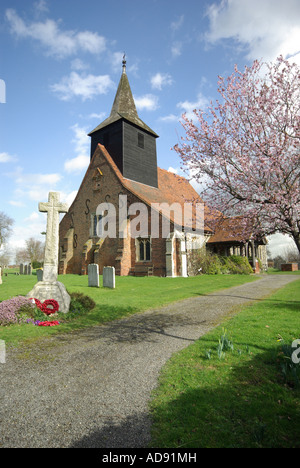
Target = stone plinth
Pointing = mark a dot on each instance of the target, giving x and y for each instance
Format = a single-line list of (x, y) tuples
[(50, 288), (44, 290)]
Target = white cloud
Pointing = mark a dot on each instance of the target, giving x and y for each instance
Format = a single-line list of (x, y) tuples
[(19, 203), (32, 186), (160, 80), (33, 217), (68, 197), (78, 64), (265, 29), (279, 243), (26, 229), (77, 164), (116, 59), (5, 157), (41, 7), (188, 106), (146, 102), (175, 25), (81, 143), (94, 115), (170, 118), (176, 49), (57, 42), (81, 139), (29, 180), (84, 86), (174, 170)]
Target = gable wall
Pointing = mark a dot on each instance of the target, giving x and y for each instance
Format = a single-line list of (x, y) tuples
[(78, 248), (80, 218)]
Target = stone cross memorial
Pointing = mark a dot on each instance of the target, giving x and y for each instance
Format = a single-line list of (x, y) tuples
[(52, 208), (49, 287)]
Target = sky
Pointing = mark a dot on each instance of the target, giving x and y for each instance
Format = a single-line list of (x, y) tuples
[(61, 62)]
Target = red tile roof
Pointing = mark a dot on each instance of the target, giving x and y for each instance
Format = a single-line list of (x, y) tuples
[(230, 230)]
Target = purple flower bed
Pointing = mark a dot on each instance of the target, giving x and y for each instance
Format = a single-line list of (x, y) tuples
[(9, 309)]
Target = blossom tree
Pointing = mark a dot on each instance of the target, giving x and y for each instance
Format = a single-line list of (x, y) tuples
[(246, 148)]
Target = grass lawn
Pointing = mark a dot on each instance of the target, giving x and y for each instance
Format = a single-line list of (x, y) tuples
[(132, 295), (244, 398)]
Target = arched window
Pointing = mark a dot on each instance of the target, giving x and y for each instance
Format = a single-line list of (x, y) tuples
[(143, 249), (95, 227)]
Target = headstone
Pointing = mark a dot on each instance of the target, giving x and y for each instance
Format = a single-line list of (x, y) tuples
[(50, 288), (21, 269), (109, 277), (25, 269), (93, 272), (29, 270), (39, 274), (0, 275)]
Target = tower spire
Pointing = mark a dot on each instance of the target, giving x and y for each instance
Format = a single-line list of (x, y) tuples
[(124, 63)]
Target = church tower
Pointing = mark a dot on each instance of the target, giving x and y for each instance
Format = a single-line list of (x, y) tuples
[(129, 141)]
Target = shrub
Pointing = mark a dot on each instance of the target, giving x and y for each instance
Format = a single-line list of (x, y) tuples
[(38, 314), (205, 262), (85, 302), (236, 264), (80, 304), (12, 310), (211, 264)]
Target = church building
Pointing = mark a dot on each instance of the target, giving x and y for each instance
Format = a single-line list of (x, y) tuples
[(123, 187)]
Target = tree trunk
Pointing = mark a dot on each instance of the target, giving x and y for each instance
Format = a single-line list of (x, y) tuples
[(296, 238)]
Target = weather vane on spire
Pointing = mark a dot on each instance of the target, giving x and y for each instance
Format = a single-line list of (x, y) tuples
[(124, 63)]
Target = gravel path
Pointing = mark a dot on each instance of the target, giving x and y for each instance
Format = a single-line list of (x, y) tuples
[(91, 388)]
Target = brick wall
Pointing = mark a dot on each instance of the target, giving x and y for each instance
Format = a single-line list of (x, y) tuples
[(289, 267), (78, 247)]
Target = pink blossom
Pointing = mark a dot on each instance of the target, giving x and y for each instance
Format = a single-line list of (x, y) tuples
[(247, 146)]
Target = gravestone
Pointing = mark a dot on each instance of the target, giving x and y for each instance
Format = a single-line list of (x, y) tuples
[(109, 277), (50, 288), (39, 274), (21, 269), (93, 272), (25, 269), (0, 275), (29, 270)]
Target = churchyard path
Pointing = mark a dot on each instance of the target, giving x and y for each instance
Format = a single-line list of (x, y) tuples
[(91, 388)]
